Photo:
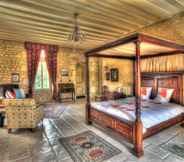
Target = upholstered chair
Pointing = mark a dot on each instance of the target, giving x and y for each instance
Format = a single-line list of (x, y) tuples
[(22, 113)]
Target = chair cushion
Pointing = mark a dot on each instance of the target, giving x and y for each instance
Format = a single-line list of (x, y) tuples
[(10, 94), (19, 93), (23, 93)]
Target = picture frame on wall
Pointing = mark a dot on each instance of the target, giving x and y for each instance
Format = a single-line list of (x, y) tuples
[(65, 72), (15, 77), (114, 74)]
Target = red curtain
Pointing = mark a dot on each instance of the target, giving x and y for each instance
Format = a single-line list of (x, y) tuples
[(33, 55), (52, 64)]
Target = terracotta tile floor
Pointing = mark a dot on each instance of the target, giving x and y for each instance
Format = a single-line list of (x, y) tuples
[(43, 146)]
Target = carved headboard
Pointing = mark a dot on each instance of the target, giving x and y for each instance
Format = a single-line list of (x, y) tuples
[(165, 80)]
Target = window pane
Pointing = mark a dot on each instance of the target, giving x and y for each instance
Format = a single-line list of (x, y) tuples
[(38, 79), (45, 76), (42, 75)]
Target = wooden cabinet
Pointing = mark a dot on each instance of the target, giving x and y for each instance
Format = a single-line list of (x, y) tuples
[(66, 91)]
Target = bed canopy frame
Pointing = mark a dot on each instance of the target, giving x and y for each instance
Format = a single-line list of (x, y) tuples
[(133, 47)]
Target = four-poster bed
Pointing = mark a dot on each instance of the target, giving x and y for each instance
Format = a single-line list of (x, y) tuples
[(135, 47)]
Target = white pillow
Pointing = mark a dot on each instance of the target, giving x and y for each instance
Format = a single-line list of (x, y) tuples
[(22, 93), (164, 95), (146, 93)]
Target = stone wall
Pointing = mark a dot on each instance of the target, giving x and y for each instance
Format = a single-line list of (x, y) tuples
[(171, 29), (98, 75), (74, 63), (13, 59), (125, 68), (94, 70)]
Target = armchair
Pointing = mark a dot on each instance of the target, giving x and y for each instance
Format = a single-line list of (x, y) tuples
[(22, 113)]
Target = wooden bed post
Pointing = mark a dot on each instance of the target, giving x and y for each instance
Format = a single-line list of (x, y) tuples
[(138, 129), (87, 92)]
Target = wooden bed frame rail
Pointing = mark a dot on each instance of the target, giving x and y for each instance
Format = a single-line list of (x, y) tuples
[(127, 129)]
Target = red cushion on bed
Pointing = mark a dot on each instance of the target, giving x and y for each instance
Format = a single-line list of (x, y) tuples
[(164, 95), (163, 92), (143, 91)]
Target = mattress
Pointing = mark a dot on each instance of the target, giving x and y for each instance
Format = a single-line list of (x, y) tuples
[(152, 113)]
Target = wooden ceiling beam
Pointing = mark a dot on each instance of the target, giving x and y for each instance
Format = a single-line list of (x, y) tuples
[(101, 21), (34, 22), (18, 37), (88, 16), (64, 18), (21, 38), (10, 35), (33, 34), (176, 3), (150, 7), (165, 6), (141, 11), (181, 2), (45, 19), (93, 12), (28, 25), (120, 10), (29, 31)]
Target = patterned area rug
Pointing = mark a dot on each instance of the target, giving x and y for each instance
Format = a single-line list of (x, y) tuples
[(88, 147), (175, 148)]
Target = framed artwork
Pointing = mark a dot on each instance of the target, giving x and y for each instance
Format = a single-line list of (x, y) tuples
[(114, 74), (65, 72), (107, 75), (15, 78)]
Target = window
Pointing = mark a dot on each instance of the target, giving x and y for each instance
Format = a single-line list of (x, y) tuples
[(42, 74)]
